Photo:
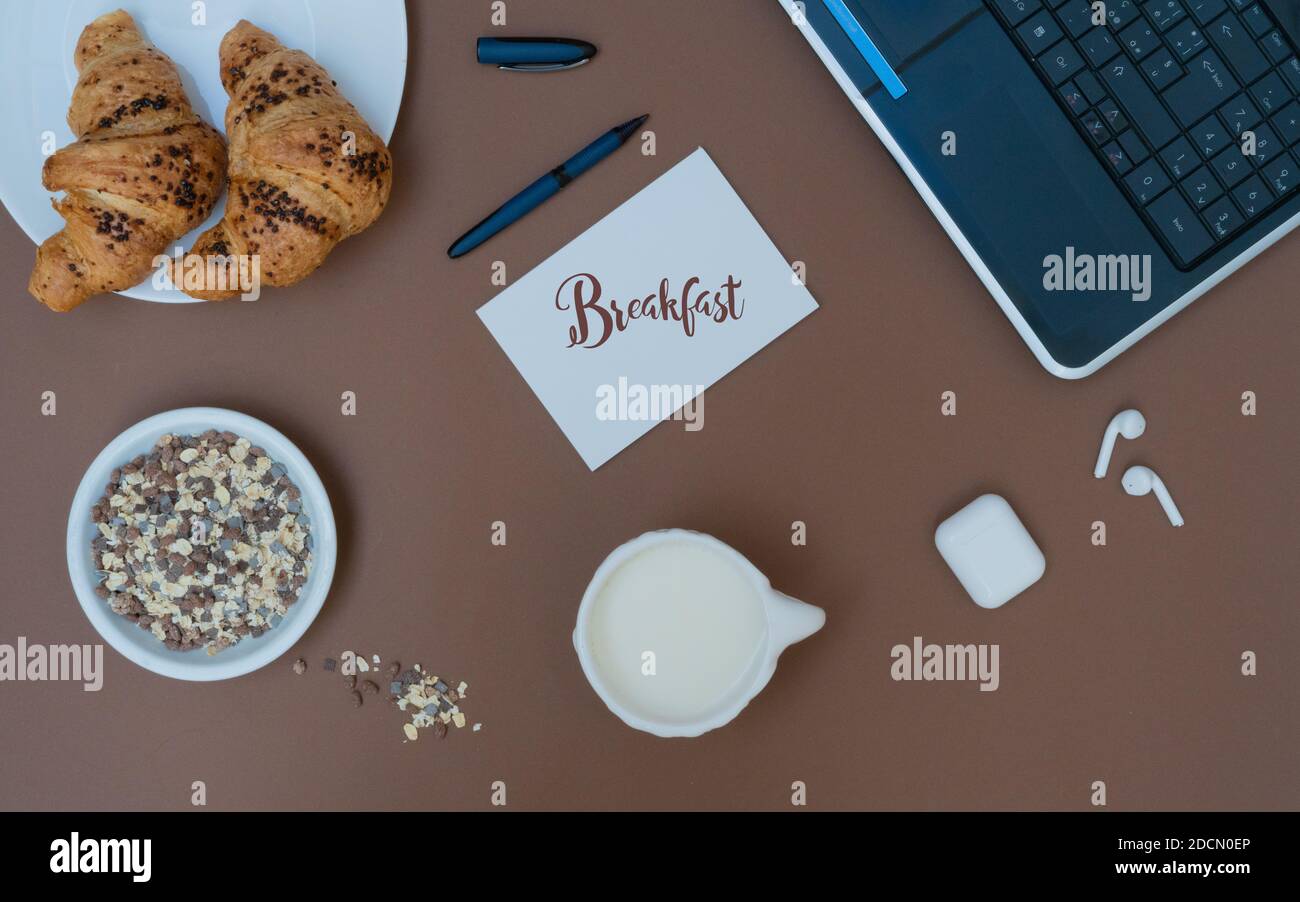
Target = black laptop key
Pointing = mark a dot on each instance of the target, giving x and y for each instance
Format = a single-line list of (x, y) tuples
[(1111, 115), (1185, 40), (1206, 11), (1117, 157), (1074, 99), (1235, 42), (1287, 123), (1182, 231), (1139, 40), (1207, 86), (1258, 21), (1267, 145), (1271, 93), (1252, 196), (1281, 174), (1017, 11), (1061, 62), (1121, 13), (1210, 137), (1180, 158), (1165, 13), (1162, 69), (1076, 16), (1134, 146), (1095, 128), (1129, 88), (1223, 218), (1040, 32), (1231, 166), (1201, 188), (1276, 47), (1100, 46), (1147, 182), (1091, 88), (1239, 114), (1291, 72)]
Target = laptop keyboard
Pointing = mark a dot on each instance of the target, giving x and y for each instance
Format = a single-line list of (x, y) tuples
[(1168, 92)]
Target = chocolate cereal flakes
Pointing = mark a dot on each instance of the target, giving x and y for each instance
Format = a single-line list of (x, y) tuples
[(203, 541), (429, 702)]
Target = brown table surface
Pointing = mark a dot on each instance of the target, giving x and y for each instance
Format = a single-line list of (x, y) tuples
[(1122, 665)]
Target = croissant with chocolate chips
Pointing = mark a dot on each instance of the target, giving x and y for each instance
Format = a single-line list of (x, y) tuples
[(143, 171), (306, 171)]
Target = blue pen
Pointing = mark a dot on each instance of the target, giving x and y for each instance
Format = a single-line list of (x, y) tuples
[(545, 187)]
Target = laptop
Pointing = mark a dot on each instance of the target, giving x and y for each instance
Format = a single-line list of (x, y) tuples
[(1099, 165)]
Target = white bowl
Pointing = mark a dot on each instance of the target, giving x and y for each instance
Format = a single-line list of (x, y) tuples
[(141, 646)]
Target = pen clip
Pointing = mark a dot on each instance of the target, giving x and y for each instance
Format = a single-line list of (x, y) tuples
[(542, 67)]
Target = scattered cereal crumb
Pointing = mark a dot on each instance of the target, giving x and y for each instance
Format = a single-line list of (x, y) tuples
[(300, 667), (427, 701)]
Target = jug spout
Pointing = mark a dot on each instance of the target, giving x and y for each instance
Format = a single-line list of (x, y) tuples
[(792, 620)]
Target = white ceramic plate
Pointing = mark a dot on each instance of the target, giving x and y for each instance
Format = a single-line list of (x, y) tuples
[(140, 645), (362, 45)]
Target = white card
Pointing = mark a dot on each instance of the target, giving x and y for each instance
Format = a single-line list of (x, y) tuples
[(600, 332)]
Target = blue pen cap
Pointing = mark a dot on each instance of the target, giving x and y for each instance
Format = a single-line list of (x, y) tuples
[(534, 54)]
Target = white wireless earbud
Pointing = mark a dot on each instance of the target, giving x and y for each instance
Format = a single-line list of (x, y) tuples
[(1128, 423), (1142, 480)]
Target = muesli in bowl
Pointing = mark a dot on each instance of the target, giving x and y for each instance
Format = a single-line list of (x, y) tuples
[(203, 541)]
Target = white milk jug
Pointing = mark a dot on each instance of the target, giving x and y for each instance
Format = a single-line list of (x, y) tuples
[(678, 631)]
